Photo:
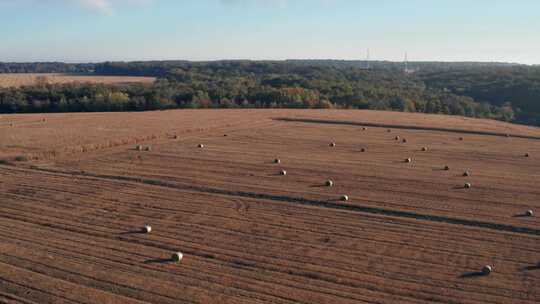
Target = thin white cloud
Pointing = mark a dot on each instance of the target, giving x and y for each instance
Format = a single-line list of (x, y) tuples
[(109, 7), (102, 6), (270, 3), (242, 3)]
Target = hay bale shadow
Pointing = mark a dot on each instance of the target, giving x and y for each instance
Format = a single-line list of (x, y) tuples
[(338, 200), (474, 274), (401, 162), (439, 169), (521, 215), (139, 231), (158, 261), (242, 264), (325, 240), (531, 267)]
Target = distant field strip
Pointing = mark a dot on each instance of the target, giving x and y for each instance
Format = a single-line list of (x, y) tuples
[(18, 80)]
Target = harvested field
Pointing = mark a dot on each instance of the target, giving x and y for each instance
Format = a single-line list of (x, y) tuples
[(18, 80), (409, 233)]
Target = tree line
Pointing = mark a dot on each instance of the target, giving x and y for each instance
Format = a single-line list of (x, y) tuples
[(499, 91)]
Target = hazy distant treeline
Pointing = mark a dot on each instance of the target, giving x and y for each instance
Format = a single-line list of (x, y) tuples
[(501, 91)]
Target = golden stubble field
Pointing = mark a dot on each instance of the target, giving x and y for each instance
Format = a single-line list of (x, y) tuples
[(409, 233), (28, 79)]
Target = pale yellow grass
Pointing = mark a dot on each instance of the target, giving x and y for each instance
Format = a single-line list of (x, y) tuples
[(18, 80)]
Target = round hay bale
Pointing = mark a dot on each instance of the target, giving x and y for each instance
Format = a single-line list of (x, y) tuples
[(329, 183), (139, 148), (364, 128), (148, 148), (363, 150), (176, 137), (283, 172), (461, 138), (388, 130), (446, 168), (424, 149), (529, 213), (147, 229), (467, 185), (527, 155), (200, 146), (177, 256), (344, 198), (466, 173), (277, 161), (408, 160), (333, 144), (487, 269), (404, 140), (396, 138)]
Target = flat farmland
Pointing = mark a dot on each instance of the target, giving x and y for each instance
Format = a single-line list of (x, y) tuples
[(23, 79), (409, 233)]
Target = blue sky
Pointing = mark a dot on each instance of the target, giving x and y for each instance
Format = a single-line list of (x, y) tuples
[(99, 30)]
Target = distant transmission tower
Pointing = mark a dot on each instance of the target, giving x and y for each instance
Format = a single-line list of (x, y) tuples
[(407, 70), (406, 63), (367, 60)]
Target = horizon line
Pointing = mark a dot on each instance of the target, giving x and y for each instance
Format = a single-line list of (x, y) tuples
[(267, 60)]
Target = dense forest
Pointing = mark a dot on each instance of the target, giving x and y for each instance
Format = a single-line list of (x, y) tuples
[(507, 92)]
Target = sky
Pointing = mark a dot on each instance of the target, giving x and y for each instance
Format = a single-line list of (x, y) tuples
[(124, 30)]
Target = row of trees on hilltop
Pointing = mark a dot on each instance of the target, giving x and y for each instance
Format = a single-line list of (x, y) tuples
[(170, 94), (499, 91)]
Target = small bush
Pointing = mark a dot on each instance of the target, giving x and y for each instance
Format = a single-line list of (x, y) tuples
[(20, 158)]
